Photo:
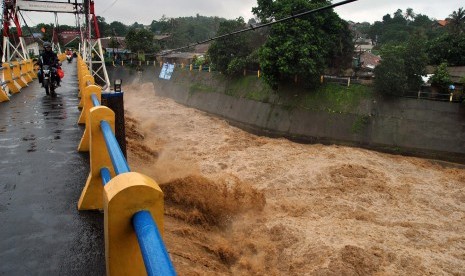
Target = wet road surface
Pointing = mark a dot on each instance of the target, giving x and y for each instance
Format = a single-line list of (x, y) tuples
[(41, 178)]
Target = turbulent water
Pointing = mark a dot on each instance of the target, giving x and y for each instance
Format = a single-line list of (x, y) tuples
[(240, 204)]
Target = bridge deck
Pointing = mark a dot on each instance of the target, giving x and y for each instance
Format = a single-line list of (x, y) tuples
[(41, 178)]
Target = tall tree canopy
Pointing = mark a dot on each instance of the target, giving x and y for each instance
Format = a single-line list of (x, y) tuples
[(402, 66), (140, 40), (118, 29), (223, 51), (457, 21), (302, 47)]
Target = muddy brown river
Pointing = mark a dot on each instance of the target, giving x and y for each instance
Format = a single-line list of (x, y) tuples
[(241, 204)]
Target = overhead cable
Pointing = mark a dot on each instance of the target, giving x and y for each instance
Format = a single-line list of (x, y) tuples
[(252, 28)]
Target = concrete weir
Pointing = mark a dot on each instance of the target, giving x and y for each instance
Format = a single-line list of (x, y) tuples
[(429, 129)]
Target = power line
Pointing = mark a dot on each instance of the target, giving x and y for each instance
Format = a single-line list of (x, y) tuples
[(252, 28), (109, 7)]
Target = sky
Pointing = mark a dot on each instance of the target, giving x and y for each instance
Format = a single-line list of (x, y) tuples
[(144, 11)]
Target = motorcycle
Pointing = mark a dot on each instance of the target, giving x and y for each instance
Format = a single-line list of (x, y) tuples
[(49, 82), (69, 58)]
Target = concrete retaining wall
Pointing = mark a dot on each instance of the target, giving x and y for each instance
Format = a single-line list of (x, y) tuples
[(422, 128)]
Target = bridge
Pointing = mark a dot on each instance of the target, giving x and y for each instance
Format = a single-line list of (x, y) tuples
[(43, 172), (42, 176)]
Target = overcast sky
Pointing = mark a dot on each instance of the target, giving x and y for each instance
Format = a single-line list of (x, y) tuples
[(144, 11)]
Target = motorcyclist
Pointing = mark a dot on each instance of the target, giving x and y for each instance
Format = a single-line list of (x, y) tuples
[(50, 58)]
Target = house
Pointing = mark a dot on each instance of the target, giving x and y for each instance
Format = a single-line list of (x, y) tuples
[(178, 58), (440, 23), (184, 57), (33, 46), (457, 73), (69, 36), (369, 61), (33, 49), (162, 39), (115, 47), (202, 48), (363, 45), (366, 62)]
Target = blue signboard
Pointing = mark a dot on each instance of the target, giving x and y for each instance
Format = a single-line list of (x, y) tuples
[(166, 71)]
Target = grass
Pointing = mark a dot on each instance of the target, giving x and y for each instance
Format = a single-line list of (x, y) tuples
[(200, 87), (330, 97), (335, 98)]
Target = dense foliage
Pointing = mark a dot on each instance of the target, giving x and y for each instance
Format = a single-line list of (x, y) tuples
[(441, 78), (186, 30), (301, 48), (391, 78), (444, 43), (140, 40), (408, 42), (232, 56)]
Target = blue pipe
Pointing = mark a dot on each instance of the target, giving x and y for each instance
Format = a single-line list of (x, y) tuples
[(106, 176), (95, 100), (117, 158), (156, 258)]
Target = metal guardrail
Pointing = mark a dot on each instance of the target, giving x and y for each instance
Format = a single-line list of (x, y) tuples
[(456, 96)]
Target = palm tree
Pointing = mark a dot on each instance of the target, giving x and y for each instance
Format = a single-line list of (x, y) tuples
[(409, 15), (457, 21)]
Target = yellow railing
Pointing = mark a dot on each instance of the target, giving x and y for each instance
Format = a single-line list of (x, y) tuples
[(15, 76), (111, 187)]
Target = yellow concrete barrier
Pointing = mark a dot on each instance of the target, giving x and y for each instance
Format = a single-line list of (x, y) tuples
[(83, 83), (125, 195), (3, 95), (92, 194), (121, 198), (87, 101), (30, 69), (61, 57), (84, 144), (9, 78), (24, 71), (17, 74)]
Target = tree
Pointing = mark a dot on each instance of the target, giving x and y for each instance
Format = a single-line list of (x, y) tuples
[(391, 78), (415, 61), (118, 28), (409, 15), (223, 51), (301, 47), (140, 40), (457, 21), (402, 67), (448, 47), (441, 77), (161, 26), (46, 30), (103, 27)]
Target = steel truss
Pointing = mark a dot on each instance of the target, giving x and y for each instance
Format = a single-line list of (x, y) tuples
[(91, 45)]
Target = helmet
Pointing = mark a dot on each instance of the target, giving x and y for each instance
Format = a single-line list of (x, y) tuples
[(47, 45)]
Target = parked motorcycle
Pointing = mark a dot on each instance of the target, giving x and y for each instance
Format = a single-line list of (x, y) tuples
[(49, 81)]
